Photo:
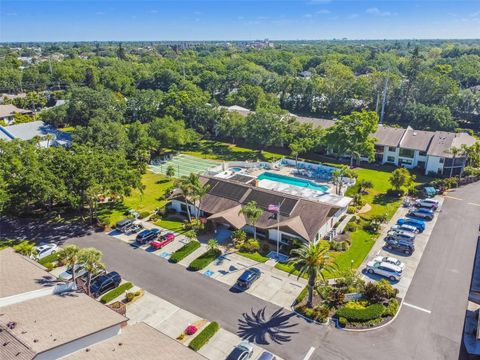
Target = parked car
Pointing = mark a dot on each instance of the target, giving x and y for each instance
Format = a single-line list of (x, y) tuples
[(386, 269), (401, 246), (419, 224), (123, 225), (104, 283), (164, 240), (427, 203), (405, 227), (67, 274), (248, 278), (45, 250), (134, 228), (390, 260), (421, 213), (267, 356), (242, 351), (401, 235), (147, 235)]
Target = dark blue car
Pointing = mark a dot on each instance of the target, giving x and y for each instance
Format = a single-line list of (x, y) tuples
[(247, 278), (104, 283), (419, 224)]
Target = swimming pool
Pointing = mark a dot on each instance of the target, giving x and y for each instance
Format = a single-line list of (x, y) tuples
[(235, 169), (292, 181)]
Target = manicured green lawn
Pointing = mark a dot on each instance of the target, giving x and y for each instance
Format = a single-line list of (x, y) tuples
[(253, 256), (155, 186), (217, 150), (173, 225)]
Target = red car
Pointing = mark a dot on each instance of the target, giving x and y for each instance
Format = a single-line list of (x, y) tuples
[(164, 240)]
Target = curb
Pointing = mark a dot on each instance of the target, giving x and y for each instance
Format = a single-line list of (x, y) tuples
[(326, 323)]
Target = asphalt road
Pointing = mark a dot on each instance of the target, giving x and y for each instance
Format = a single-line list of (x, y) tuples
[(429, 327)]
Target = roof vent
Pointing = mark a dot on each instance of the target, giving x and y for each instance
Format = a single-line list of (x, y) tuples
[(414, 133), (11, 325)]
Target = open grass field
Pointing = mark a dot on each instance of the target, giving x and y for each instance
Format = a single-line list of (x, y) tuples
[(155, 187)]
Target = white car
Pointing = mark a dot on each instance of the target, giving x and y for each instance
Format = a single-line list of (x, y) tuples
[(45, 250), (388, 270), (405, 227), (67, 274), (427, 203), (391, 260)]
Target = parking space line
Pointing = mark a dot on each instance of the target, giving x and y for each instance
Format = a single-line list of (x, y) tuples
[(309, 353), (417, 307), (453, 197), (473, 204)]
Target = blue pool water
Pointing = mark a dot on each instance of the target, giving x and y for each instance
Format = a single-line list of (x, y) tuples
[(236, 169), (292, 181)]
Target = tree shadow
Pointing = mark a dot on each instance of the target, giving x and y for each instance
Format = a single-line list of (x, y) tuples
[(257, 327), (384, 199)]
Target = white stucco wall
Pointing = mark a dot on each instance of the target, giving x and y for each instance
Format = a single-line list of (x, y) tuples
[(82, 343), (177, 206), (433, 164)]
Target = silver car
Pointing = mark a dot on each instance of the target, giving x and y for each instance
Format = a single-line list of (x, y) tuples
[(242, 351), (67, 274), (386, 269), (391, 260), (45, 250), (405, 227)]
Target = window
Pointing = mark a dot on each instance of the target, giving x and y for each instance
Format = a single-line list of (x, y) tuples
[(441, 160), (392, 149), (422, 153), (391, 159), (407, 153)]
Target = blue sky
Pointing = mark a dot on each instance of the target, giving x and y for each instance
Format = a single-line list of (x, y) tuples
[(71, 20)]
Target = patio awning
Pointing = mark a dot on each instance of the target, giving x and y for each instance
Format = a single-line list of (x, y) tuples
[(231, 216), (295, 224)]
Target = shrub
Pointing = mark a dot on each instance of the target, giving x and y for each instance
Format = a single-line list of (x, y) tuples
[(129, 296), (251, 245), (154, 217), (184, 251), (351, 226), (204, 336), (351, 209), (191, 329), (392, 308), (49, 266), (321, 313), (336, 296), (265, 249), (143, 214), (109, 296), (203, 260), (338, 245), (49, 259), (342, 321), (368, 313), (378, 291)]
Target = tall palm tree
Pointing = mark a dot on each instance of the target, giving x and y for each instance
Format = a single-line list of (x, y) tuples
[(199, 191), (455, 151), (69, 256), (312, 259), (187, 191), (91, 259), (252, 213)]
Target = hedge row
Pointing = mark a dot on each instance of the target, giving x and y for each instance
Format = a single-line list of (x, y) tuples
[(204, 336), (112, 294), (49, 259), (361, 315), (203, 260), (184, 251)]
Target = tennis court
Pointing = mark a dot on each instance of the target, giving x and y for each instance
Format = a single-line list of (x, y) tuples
[(183, 165)]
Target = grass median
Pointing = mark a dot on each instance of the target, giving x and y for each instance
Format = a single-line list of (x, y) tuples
[(184, 251)]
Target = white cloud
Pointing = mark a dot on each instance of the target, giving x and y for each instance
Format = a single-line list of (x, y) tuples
[(323, 11), (378, 12)]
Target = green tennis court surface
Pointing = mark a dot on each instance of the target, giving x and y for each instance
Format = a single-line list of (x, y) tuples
[(184, 165)]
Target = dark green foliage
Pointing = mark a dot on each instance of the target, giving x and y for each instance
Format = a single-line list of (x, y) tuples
[(392, 308), (184, 251), (203, 260), (112, 294), (376, 292), (204, 336), (371, 312)]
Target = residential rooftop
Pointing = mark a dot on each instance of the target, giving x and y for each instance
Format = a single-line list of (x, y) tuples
[(46, 322), (138, 341), (30, 130), (19, 274), (10, 110)]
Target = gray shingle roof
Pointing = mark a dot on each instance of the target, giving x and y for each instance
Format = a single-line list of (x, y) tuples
[(28, 131), (9, 110), (388, 136), (416, 139)]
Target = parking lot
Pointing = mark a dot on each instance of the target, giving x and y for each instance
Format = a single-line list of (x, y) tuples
[(411, 262), (274, 285)]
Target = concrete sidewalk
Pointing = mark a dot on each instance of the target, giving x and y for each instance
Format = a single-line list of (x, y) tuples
[(412, 261), (172, 321)]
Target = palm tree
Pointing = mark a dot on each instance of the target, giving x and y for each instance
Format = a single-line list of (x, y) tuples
[(69, 256), (190, 235), (199, 191), (91, 259), (312, 259), (186, 189), (170, 171), (252, 213), (455, 151), (212, 245)]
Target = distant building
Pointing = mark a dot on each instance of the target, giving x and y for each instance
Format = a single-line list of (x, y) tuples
[(305, 74), (8, 111), (47, 134)]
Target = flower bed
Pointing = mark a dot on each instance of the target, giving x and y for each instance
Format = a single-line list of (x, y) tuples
[(204, 336), (203, 260), (184, 251)]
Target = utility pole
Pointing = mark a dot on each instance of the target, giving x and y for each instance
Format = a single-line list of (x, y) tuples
[(384, 100)]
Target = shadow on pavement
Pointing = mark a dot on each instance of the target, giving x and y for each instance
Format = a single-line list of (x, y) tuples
[(257, 327)]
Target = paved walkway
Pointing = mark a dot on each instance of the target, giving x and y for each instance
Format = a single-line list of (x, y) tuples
[(412, 261), (172, 321), (275, 286)]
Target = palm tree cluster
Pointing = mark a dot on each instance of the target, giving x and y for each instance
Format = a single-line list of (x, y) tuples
[(252, 213), (90, 258), (193, 191)]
